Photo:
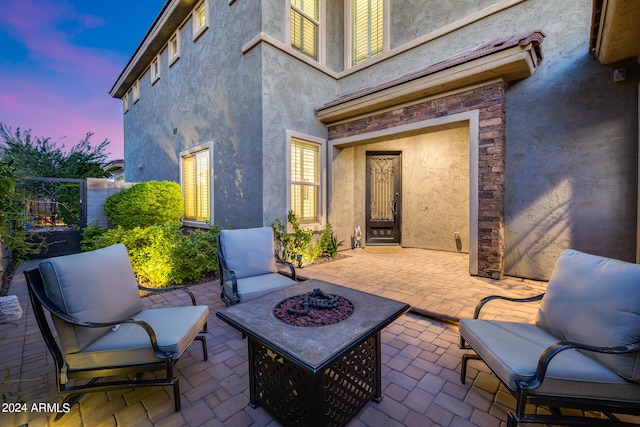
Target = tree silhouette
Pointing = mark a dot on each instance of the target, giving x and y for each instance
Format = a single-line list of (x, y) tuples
[(39, 157)]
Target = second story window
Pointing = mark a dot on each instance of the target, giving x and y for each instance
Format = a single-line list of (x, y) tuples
[(155, 70), (305, 26), (200, 18), (367, 29), (174, 48), (136, 91)]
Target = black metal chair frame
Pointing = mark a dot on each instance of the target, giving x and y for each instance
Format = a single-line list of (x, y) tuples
[(72, 393), (525, 392), (226, 274)]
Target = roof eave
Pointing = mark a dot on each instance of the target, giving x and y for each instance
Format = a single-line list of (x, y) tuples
[(512, 64), (170, 18)]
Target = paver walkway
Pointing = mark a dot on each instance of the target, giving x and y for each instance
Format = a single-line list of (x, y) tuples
[(421, 358), (434, 283)]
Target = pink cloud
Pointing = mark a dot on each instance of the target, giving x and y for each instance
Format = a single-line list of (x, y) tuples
[(60, 90), (30, 103)]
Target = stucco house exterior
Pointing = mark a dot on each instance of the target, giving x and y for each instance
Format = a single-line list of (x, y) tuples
[(507, 129)]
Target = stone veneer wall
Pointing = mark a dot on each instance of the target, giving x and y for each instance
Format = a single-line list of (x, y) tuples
[(490, 100)]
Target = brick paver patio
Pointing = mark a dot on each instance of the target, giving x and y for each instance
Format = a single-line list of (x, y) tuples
[(421, 358)]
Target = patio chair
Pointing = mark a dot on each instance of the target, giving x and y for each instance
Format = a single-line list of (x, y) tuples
[(104, 334), (247, 265), (583, 352)]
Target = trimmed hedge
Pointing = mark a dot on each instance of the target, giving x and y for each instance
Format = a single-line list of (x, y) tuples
[(161, 255), (146, 218), (145, 204)]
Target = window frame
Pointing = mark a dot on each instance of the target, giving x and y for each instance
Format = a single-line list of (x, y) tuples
[(321, 218), (207, 146), (136, 91), (349, 38), (173, 56), (321, 39), (199, 30), (155, 69), (125, 102)]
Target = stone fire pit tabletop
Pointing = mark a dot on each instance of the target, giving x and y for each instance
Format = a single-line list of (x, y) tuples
[(313, 347)]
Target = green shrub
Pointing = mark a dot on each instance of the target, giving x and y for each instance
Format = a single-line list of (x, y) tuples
[(92, 236), (329, 242), (195, 257), (161, 255), (145, 204), (298, 247), (283, 240)]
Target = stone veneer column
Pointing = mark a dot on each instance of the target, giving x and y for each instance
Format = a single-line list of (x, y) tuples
[(490, 100)]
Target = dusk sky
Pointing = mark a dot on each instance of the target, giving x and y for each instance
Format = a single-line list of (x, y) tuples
[(60, 58)]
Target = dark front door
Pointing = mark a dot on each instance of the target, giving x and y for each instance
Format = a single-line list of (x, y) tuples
[(384, 201)]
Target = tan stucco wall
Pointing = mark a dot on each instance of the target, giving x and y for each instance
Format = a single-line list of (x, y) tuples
[(435, 188)]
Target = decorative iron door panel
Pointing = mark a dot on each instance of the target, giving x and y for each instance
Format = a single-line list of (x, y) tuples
[(57, 213), (384, 197)]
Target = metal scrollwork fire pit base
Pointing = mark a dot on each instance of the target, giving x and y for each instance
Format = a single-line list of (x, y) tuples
[(329, 398)]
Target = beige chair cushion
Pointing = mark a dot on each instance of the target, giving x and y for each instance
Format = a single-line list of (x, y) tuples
[(96, 286), (596, 301), (249, 252), (175, 329), (512, 351)]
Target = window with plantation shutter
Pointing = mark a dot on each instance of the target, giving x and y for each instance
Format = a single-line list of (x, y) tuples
[(196, 185), (305, 26), (367, 21), (305, 180)]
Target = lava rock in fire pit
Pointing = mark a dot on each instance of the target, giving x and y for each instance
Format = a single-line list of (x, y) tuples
[(315, 308)]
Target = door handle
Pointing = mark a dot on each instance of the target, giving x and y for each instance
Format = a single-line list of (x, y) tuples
[(394, 207)]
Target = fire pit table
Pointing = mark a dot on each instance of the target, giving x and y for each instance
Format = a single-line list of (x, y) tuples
[(316, 375)]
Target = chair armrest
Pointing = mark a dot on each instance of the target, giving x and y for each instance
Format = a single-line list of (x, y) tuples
[(550, 352), (55, 311), (485, 300), (224, 272), (287, 263), (234, 283), (168, 289)]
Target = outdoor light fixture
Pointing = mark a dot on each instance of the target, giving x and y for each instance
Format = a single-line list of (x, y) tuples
[(619, 74)]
